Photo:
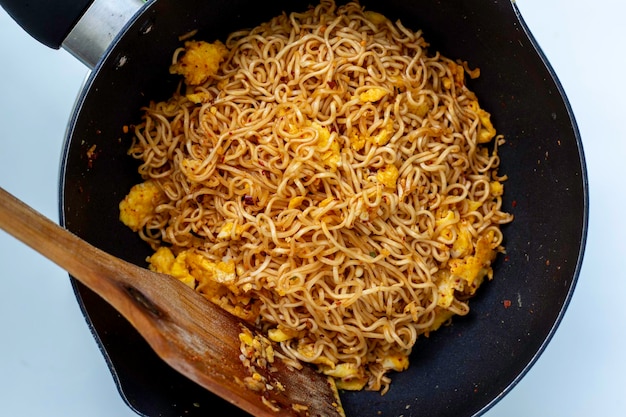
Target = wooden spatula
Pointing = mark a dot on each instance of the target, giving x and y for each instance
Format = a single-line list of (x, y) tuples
[(191, 334)]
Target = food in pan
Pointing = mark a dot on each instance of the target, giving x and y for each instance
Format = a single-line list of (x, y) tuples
[(327, 178)]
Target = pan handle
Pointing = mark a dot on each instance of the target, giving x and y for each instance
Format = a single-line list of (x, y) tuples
[(47, 21), (85, 28)]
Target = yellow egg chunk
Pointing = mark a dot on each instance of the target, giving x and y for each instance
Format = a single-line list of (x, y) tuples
[(388, 176), (486, 131), (374, 17), (295, 202), (496, 188), (230, 231), (162, 261), (396, 363), (200, 61), (373, 95), (468, 269), (277, 335), (473, 205), (462, 246), (477, 266), (328, 146), (139, 204), (357, 142), (446, 287), (348, 376), (197, 98), (246, 337), (180, 270), (352, 384), (441, 317), (342, 370), (421, 109), (384, 135)]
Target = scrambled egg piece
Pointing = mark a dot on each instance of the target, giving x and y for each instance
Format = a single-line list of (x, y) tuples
[(472, 269), (357, 142), (388, 176), (473, 205), (486, 131), (441, 317), (352, 384), (200, 97), (396, 362), (467, 267), (190, 167), (280, 334), (421, 109), (373, 95), (328, 146), (331, 156), (444, 223), (214, 280), (496, 188), (200, 61), (458, 76), (385, 134), (347, 376), (375, 18), (229, 230), (140, 203), (462, 245), (447, 285), (164, 261), (191, 267), (295, 202)]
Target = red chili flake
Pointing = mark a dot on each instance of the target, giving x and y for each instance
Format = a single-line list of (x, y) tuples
[(506, 303), (507, 258), (514, 203)]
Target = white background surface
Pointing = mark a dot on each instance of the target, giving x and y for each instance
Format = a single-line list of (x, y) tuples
[(50, 364)]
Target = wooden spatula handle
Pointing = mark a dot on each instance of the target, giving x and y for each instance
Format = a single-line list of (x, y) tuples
[(192, 335)]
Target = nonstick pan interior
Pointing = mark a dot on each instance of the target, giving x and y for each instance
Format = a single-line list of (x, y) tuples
[(460, 370)]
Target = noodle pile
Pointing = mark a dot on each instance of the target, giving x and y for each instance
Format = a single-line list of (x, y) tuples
[(325, 178)]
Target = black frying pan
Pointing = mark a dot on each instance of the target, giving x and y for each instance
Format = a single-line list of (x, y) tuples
[(461, 370)]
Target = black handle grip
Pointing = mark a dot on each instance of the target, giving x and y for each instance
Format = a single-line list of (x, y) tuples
[(48, 21)]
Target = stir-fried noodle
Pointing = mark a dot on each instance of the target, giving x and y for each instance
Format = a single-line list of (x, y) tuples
[(326, 178)]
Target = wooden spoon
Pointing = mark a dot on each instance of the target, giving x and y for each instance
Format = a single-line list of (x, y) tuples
[(191, 334)]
